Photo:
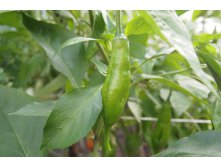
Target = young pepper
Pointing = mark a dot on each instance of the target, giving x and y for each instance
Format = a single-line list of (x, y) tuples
[(115, 90)]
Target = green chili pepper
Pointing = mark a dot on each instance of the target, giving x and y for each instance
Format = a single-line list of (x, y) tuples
[(115, 90)]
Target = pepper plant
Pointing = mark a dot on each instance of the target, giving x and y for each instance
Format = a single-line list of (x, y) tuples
[(73, 79)]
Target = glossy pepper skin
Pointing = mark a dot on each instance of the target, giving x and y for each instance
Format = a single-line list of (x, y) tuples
[(115, 90)]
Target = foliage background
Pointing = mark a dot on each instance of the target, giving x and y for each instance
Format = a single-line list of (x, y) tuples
[(50, 55)]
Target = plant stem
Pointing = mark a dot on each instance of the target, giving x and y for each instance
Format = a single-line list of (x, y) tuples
[(106, 143), (118, 23)]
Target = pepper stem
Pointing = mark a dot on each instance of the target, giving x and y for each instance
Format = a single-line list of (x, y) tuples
[(106, 145), (118, 23)]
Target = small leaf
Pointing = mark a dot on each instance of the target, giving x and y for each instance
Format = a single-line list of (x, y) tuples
[(135, 110), (72, 117), (203, 144), (179, 102), (102, 68), (73, 41)]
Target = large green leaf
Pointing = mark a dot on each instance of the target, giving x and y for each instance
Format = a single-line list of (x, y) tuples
[(178, 36), (10, 101), (21, 123), (71, 61), (72, 117), (206, 143), (28, 123)]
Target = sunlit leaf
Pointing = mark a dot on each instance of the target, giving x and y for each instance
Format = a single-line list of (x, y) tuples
[(72, 117)]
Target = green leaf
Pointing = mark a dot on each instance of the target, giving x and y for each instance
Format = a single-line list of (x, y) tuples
[(205, 144), (178, 36), (179, 102), (51, 87), (28, 123), (72, 117), (193, 86), (206, 38), (75, 40), (108, 22), (99, 24), (12, 19), (11, 143), (135, 109), (180, 12), (21, 123), (71, 61), (137, 25), (138, 45), (102, 68), (153, 27), (216, 115), (171, 85), (198, 13), (35, 109), (214, 66), (97, 31)]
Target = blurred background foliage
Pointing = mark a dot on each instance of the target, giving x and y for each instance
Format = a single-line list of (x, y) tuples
[(24, 65)]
